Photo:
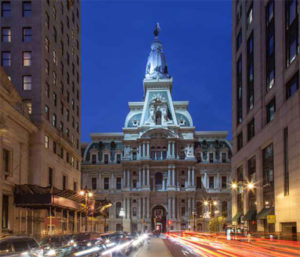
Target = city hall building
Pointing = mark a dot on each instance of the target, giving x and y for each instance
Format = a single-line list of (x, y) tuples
[(159, 173)]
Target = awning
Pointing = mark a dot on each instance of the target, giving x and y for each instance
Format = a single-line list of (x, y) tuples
[(37, 197), (237, 216), (250, 215), (262, 215)]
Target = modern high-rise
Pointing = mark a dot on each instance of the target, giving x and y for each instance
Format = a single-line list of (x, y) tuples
[(40, 53), (265, 115), (159, 172)]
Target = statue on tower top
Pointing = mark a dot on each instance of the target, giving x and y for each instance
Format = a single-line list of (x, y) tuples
[(156, 29)]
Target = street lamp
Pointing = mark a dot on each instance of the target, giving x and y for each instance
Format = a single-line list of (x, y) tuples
[(87, 194), (194, 218)]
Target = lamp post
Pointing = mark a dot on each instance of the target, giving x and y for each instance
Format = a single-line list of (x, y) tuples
[(194, 219), (87, 195)]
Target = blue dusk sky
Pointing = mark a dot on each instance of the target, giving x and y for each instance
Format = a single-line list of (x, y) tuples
[(115, 44)]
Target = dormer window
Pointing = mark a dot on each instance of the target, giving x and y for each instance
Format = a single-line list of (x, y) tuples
[(181, 122), (134, 123)]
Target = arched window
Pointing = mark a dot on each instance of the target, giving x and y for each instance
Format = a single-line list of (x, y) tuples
[(118, 209), (158, 178)]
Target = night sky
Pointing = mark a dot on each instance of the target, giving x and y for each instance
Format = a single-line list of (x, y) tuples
[(115, 44)]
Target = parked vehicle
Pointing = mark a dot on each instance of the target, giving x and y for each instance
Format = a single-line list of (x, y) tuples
[(20, 246)]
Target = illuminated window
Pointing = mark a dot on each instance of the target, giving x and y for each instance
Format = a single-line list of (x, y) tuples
[(6, 59), (46, 142), (5, 35), (27, 82), (26, 59)]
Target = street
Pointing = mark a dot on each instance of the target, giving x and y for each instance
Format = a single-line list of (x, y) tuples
[(190, 244)]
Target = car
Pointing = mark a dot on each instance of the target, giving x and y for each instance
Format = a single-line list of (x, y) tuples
[(16, 246)]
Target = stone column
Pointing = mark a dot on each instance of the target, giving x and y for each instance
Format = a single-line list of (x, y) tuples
[(189, 206), (140, 178), (169, 175), (173, 149), (169, 208), (124, 179), (173, 180), (189, 177), (140, 151), (128, 178), (139, 209), (144, 148), (148, 207), (145, 207), (169, 150), (144, 177), (148, 176), (193, 177), (148, 150)]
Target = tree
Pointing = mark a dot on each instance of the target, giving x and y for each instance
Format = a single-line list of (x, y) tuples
[(216, 224)]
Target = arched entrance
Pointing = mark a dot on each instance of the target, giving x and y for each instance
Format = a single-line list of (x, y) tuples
[(159, 218)]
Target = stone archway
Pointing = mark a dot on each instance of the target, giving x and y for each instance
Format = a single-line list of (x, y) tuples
[(159, 218)]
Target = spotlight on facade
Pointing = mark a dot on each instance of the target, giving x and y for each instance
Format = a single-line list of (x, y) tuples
[(81, 192), (215, 203), (250, 185), (90, 194), (234, 185), (205, 203)]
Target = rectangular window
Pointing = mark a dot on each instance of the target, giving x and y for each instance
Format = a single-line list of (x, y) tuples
[(239, 40), (5, 209), (211, 182), (46, 142), (224, 182), (182, 211), (224, 157), (239, 91), (94, 158), (75, 186), (291, 20), (106, 183), (6, 59), (251, 129), (224, 209), (198, 183), (134, 183), (27, 82), (47, 112), (26, 36), (292, 86), (118, 158), (94, 183), (26, 9), (271, 108), (118, 183), (211, 157), (54, 147), (286, 161), (64, 182), (240, 141), (26, 59), (270, 45), (5, 9), (252, 169), (268, 175), (105, 158), (5, 35), (250, 73), (50, 177), (6, 156), (28, 105)]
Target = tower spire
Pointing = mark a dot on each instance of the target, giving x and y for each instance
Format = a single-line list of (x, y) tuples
[(156, 67)]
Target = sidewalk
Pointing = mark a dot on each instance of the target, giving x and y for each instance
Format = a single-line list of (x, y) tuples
[(155, 248)]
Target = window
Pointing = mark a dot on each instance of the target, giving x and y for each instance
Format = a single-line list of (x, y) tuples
[(6, 156), (75, 186), (239, 40), (28, 105), (54, 34), (26, 59), (94, 158), (67, 132), (54, 120), (27, 82), (286, 180), (211, 157), (271, 108), (64, 182), (47, 20), (106, 158), (94, 183), (118, 156), (5, 208), (198, 183), (118, 183), (134, 211), (6, 59), (251, 129), (67, 114), (182, 211), (26, 36), (224, 208), (54, 147), (292, 86), (118, 209), (291, 30), (250, 16), (268, 166), (5, 9), (224, 182), (239, 92), (211, 182), (54, 57), (134, 183), (252, 169), (47, 112), (54, 99), (46, 142), (240, 141), (250, 74), (5, 35), (26, 9), (106, 183), (223, 157), (270, 45), (50, 177), (54, 78), (47, 44)]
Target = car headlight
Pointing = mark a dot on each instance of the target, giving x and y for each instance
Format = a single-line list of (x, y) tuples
[(51, 252), (89, 244)]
